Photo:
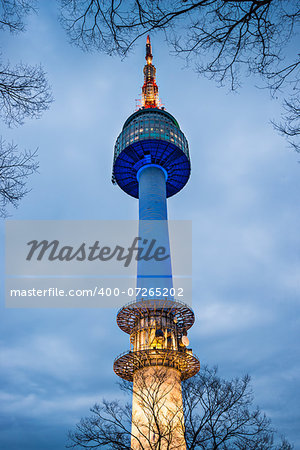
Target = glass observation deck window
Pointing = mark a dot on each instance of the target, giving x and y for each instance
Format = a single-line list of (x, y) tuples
[(154, 126)]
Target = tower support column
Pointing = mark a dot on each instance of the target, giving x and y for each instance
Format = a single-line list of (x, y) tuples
[(152, 193), (157, 411), (153, 225)]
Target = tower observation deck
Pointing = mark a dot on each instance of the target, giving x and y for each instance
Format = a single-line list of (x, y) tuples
[(151, 162)]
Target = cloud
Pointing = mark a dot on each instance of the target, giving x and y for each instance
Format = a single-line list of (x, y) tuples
[(42, 353), (220, 318)]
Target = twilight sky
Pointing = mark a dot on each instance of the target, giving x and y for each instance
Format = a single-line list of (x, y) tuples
[(243, 199)]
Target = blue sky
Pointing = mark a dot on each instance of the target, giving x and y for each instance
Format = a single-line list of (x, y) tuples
[(243, 199)]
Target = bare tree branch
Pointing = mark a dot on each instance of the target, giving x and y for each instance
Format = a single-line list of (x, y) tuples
[(12, 13), (218, 414), (290, 127), (15, 168), (24, 92)]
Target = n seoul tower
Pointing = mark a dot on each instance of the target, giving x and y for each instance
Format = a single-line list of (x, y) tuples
[(151, 163)]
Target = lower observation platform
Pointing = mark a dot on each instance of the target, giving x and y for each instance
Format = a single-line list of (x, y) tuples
[(184, 361)]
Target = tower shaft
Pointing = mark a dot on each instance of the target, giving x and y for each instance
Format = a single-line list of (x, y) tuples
[(152, 193), (153, 225), (157, 410)]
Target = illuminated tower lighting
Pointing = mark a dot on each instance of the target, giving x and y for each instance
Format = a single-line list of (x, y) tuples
[(149, 89), (151, 163)]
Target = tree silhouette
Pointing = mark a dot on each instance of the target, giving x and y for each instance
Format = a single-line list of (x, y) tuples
[(24, 93), (218, 414), (13, 13), (15, 168)]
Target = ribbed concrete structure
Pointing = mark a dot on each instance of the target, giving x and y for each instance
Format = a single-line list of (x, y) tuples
[(151, 163)]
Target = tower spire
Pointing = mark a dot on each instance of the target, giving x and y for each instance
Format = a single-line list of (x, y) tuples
[(149, 90)]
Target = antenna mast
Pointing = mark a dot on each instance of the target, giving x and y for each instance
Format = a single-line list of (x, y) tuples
[(149, 90)]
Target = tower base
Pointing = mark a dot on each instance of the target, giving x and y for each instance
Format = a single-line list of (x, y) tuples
[(157, 411)]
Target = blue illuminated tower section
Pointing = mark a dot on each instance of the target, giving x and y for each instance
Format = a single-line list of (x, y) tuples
[(151, 163)]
